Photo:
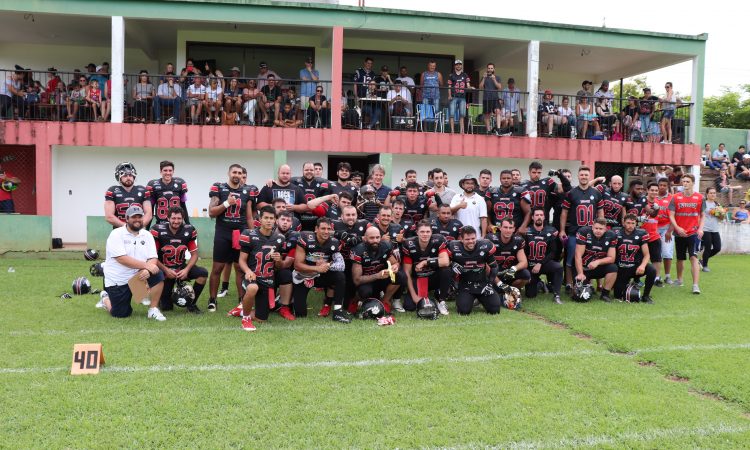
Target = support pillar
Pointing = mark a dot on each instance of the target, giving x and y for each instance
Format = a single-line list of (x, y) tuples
[(117, 69), (532, 87), (337, 82)]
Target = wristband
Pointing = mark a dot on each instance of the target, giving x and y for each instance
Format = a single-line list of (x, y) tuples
[(432, 263), (226, 204)]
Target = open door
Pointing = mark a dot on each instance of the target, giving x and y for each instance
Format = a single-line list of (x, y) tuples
[(361, 163)]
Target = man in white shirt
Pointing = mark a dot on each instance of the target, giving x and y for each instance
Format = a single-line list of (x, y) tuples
[(169, 94), (399, 99), (443, 194), (131, 252), (469, 207)]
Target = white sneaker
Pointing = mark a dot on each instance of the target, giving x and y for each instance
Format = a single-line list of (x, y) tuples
[(398, 305), (443, 308), (696, 289), (223, 293), (102, 296), (154, 313), (146, 302), (171, 121)]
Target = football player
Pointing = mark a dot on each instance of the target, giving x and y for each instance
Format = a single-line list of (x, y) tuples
[(375, 269), (407, 225), (473, 261), (312, 187), (259, 258), (613, 200), (509, 201), (633, 258), (416, 205), (509, 253), (426, 266), (231, 205), (384, 222), (343, 184), (173, 240), (540, 190), (686, 216), (166, 192), (636, 202), (284, 221), (349, 231), (445, 225), (282, 187), (541, 243), (120, 197), (595, 255)]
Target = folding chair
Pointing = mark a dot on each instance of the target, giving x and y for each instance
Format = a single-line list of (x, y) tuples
[(476, 118), (426, 113)]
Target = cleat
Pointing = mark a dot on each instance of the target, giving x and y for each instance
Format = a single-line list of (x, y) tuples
[(568, 289), (247, 323), (387, 306), (154, 313), (443, 308), (647, 299), (705, 269), (398, 305), (677, 283), (222, 293), (352, 308), (558, 300), (658, 283), (325, 311), (211, 305), (102, 296), (193, 309), (696, 289), (286, 313), (668, 280), (236, 311), (339, 315), (605, 298)]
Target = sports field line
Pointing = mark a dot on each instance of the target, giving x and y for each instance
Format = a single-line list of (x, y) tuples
[(619, 438), (369, 362)]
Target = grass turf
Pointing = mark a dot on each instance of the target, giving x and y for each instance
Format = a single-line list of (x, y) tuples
[(510, 380)]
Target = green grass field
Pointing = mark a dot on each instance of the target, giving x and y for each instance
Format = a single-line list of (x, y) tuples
[(671, 375)]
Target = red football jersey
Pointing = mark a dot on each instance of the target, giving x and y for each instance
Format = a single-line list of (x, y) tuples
[(688, 211)]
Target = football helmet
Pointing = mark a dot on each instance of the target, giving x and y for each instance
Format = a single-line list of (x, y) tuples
[(427, 309), (632, 293), (511, 297), (81, 285), (582, 292), (183, 294), (125, 168), (96, 270), (9, 186), (372, 308), (91, 255)]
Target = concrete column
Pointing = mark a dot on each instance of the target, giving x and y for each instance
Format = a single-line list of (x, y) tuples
[(337, 82), (117, 67), (532, 86), (696, 113)]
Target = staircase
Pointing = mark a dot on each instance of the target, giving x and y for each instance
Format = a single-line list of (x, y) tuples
[(708, 178)]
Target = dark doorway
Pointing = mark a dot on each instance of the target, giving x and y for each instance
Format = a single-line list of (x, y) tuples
[(359, 164), (20, 161)]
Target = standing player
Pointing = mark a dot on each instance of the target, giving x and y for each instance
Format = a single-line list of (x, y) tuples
[(636, 202), (259, 258), (613, 200), (343, 183), (312, 187), (474, 262), (541, 243), (231, 205), (663, 199), (416, 205), (122, 196), (166, 192), (445, 225), (317, 262), (651, 226), (595, 255), (282, 187), (541, 189), (582, 205), (370, 271), (485, 181), (686, 215), (509, 201), (633, 258), (173, 239), (425, 263), (509, 253)]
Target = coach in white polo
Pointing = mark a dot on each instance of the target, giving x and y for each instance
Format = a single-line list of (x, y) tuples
[(469, 207), (131, 251)]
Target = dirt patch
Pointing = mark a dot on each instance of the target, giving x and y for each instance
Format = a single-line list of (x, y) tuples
[(582, 336), (711, 396), (646, 363), (558, 325), (677, 379)]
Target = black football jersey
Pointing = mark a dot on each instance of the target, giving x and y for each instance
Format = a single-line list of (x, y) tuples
[(291, 193), (636, 206), (596, 248), (506, 254), (448, 230), (344, 233), (413, 253), (171, 247), (582, 206), (629, 251), (338, 188), (539, 191), (315, 251), (166, 195), (409, 227), (415, 211), (290, 242), (235, 217), (124, 199), (372, 260), (391, 230), (540, 244), (501, 204), (259, 248), (317, 187), (473, 263), (612, 202)]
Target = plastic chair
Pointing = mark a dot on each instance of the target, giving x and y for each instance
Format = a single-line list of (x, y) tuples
[(426, 113), (476, 118)]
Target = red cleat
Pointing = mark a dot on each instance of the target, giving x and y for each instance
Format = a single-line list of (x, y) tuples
[(325, 311), (236, 312), (353, 307), (387, 306), (247, 323), (286, 313)]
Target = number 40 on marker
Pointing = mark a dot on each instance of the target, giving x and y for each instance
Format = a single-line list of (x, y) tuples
[(87, 359)]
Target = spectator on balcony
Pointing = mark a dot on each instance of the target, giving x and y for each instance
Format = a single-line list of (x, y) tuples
[(362, 78), (512, 103), (723, 186), (318, 112), (143, 93), (431, 82), (94, 99), (586, 116), (290, 96), (213, 101), (645, 113), (399, 99), (168, 94), (237, 75), (384, 82), (7, 97), (77, 97), (458, 83), (406, 80), (604, 113), (287, 118), (743, 169), (549, 113), (90, 69), (264, 74), (585, 91), (101, 74), (568, 113), (491, 84), (252, 97), (629, 116), (196, 95), (604, 93), (212, 72), (272, 96), (372, 108), (232, 101), (668, 103), (54, 80), (17, 88), (168, 70), (310, 77), (187, 75)]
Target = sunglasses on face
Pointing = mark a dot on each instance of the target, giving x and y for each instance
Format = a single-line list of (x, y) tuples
[(319, 90)]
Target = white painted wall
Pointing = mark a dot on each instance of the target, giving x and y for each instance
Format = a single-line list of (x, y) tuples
[(81, 175), (296, 159)]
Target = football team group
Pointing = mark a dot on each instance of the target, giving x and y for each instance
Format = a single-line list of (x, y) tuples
[(372, 250)]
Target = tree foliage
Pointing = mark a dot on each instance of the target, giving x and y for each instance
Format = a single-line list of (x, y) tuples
[(730, 109)]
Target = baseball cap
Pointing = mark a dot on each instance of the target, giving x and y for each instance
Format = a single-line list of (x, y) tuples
[(745, 156), (309, 59), (547, 91), (134, 210), (605, 83), (98, 68), (235, 68), (263, 65), (458, 61)]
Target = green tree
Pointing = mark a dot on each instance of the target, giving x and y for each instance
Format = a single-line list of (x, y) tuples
[(633, 87), (728, 110)]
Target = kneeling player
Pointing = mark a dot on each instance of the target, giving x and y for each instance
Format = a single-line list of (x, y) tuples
[(595, 255), (542, 242), (426, 262), (633, 258), (474, 262), (172, 240), (375, 269), (260, 256), (509, 253)]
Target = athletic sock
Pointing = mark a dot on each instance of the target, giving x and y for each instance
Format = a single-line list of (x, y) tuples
[(328, 301), (224, 285), (198, 288)]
